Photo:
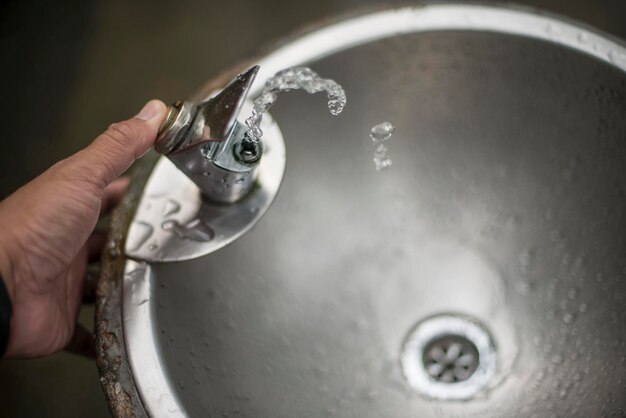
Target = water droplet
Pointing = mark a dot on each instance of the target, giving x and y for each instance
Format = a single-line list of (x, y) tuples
[(170, 208), (379, 135), (140, 233), (617, 58), (583, 307), (137, 280), (572, 294), (166, 402), (551, 30), (382, 132), (195, 230), (568, 318)]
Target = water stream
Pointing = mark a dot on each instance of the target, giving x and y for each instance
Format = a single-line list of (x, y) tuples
[(303, 78), (294, 78)]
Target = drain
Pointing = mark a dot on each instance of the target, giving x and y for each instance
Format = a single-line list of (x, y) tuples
[(449, 357)]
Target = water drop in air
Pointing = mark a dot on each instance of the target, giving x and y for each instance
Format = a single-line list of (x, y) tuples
[(379, 135)]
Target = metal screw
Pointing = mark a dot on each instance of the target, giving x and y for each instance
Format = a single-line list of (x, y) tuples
[(248, 150)]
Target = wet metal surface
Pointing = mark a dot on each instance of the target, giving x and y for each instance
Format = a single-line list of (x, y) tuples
[(505, 203)]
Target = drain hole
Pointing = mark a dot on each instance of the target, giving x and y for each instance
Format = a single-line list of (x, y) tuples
[(449, 356), (450, 359)]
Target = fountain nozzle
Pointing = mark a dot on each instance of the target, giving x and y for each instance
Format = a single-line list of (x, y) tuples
[(208, 144)]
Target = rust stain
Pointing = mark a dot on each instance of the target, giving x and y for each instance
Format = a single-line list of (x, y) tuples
[(111, 358)]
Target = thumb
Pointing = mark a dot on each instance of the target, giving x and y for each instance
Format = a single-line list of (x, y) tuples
[(112, 152)]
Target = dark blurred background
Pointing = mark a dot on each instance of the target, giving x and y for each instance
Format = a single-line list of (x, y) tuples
[(69, 69)]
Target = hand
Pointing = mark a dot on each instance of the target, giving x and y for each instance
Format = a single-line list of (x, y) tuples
[(47, 232)]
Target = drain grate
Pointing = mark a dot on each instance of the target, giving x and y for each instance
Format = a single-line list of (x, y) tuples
[(449, 357)]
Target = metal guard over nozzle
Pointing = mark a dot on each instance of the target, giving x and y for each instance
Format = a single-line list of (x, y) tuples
[(207, 143)]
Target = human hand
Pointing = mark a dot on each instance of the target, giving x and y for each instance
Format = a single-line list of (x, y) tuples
[(47, 233)]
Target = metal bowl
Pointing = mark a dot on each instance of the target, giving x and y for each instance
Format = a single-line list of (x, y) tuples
[(496, 240)]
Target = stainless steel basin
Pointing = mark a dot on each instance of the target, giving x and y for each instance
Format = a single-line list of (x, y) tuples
[(505, 206)]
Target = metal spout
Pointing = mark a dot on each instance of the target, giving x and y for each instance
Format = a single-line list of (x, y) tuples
[(206, 142), (220, 112)]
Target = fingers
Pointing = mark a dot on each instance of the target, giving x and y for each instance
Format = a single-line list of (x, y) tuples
[(110, 198), (112, 152), (113, 194)]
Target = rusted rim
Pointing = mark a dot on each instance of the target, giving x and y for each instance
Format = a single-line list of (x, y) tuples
[(111, 358)]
